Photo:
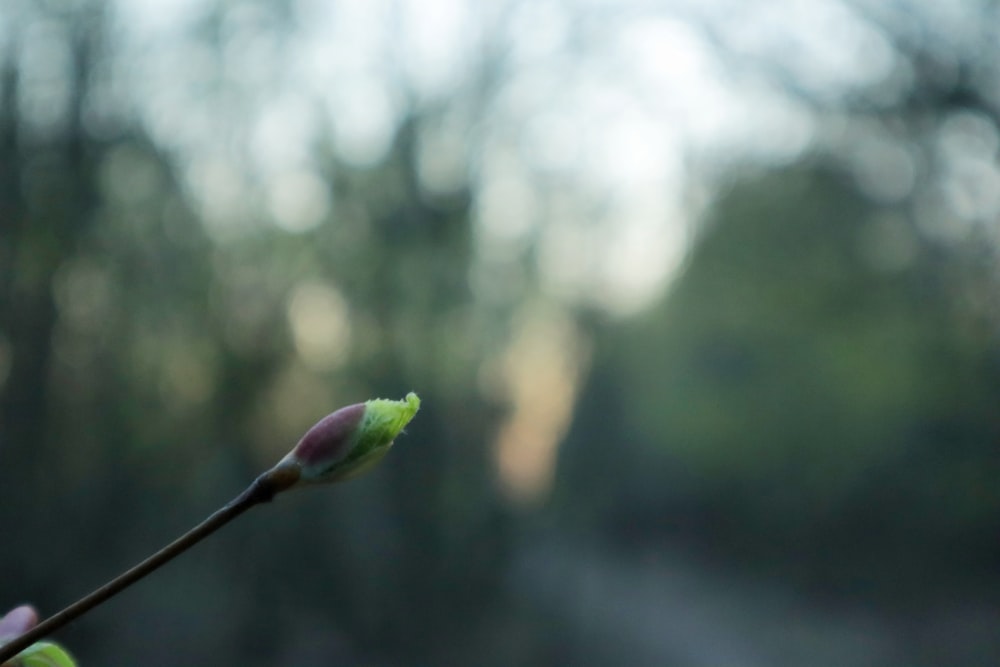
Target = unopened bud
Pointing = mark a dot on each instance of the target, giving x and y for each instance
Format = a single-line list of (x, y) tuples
[(351, 440)]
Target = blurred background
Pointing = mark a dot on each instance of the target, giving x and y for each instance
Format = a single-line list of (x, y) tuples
[(702, 299)]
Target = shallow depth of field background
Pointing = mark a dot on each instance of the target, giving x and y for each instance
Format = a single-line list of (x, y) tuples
[(702, 300)]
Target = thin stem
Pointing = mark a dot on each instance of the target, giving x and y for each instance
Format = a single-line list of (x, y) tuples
[(262, 490)]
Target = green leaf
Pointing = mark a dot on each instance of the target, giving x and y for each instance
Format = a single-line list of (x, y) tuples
[(44, 654)]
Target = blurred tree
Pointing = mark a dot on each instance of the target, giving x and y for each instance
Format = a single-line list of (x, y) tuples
[(153, 366), (801, 403)]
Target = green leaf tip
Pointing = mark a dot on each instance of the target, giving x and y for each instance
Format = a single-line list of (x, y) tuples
[(385, 419), (351, 440), (43, 654)]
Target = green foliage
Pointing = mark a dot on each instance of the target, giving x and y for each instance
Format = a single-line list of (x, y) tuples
[(828, 409), (44, 654), (781, 344)]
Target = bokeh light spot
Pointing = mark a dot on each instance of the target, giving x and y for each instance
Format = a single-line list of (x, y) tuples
[(319, 318), (299, 200)]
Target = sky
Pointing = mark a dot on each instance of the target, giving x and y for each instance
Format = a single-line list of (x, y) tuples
[(589, 131), (557, 112)]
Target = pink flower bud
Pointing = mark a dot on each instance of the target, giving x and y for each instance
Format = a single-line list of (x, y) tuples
[(18, 621)]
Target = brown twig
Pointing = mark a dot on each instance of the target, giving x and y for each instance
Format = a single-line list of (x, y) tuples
[(262, 490)]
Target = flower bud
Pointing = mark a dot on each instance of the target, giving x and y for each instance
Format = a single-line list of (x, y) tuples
[(18, 621), (351, 440)]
